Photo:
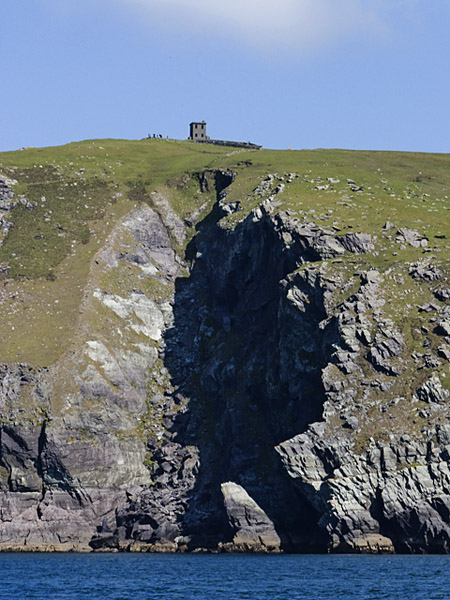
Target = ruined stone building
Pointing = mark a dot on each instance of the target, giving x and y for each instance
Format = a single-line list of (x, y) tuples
[(197, 131)]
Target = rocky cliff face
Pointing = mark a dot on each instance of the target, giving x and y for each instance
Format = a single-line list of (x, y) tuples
[(255, 390)]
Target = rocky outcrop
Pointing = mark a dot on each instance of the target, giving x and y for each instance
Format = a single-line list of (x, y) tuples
[(7, 203), (391, 497), (252, 528), (241, 394)]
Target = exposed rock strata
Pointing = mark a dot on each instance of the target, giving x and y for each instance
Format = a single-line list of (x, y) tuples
[(234, 409), (252, 528)]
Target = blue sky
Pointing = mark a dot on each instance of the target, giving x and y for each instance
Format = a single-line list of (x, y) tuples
[(362, 74)]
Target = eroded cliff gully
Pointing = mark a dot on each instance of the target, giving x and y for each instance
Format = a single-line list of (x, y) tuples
[(237, 424), (250, 364)]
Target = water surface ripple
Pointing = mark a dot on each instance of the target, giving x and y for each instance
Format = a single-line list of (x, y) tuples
[(222, 577)]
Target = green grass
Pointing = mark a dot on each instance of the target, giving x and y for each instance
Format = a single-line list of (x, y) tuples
[(78, 183), (89, 186)]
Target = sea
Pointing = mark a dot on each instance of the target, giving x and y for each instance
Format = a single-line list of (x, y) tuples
[(222, 577)]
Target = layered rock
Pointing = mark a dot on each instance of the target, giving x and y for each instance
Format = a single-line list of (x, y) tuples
[(241, 395), (252, 528)]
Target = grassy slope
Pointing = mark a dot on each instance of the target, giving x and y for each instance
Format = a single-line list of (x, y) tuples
[(89, 186)]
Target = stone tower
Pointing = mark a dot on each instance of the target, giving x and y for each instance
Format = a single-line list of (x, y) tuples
[(197, 131)]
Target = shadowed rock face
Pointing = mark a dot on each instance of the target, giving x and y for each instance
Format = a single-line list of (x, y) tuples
[(228, 409), (232, 350)]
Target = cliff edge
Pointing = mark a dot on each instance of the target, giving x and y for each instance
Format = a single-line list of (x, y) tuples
[(224, 351)]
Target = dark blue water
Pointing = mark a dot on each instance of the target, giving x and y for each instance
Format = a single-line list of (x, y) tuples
[(227, 577)]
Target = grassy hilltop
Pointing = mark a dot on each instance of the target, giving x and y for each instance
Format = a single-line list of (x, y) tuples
[(75, 194)]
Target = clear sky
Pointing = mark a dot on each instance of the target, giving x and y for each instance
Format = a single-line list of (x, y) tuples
[(362, 74)]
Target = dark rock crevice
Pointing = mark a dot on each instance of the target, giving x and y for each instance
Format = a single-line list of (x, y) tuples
[(250, 363), (215, 180)]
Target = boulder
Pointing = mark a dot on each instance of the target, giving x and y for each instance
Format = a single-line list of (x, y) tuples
[(252, 528)]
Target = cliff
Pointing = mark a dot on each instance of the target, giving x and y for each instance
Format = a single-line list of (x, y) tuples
[(232, 351)]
